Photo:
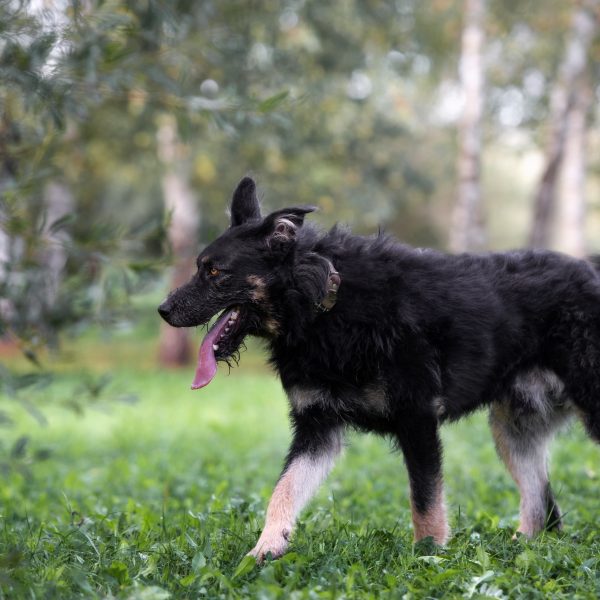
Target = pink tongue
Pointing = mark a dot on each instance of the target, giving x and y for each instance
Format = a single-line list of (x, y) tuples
[(207, 363)]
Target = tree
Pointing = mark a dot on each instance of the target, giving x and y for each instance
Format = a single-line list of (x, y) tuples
[(565, 110), (468, 228), (571, 209), (181, 208)]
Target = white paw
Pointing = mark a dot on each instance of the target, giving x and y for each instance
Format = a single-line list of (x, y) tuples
[(275, 542)]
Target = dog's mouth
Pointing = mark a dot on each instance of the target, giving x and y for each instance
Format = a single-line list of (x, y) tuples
[(221, 341)]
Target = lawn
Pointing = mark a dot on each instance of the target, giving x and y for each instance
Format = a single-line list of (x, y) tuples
[(148, 490)]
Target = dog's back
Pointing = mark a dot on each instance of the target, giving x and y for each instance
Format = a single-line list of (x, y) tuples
[(465, 326)]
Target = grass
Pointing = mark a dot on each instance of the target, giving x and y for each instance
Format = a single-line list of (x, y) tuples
[(163, 497)]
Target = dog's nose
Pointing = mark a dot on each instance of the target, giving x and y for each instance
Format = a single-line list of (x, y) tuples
[(164, 309)]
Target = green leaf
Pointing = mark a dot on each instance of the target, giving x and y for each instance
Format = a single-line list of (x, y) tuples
[(246, 566), (272, 102), (483, 558), (188, 580), (198, 562), (119, 571)]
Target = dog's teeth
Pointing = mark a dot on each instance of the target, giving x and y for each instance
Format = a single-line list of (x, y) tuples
[(234, 315), (215, 347), (226, 329)]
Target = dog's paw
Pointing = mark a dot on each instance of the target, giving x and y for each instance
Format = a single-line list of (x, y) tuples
[(275, 543)]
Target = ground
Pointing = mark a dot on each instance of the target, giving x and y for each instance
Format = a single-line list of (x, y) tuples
[(154, 491)]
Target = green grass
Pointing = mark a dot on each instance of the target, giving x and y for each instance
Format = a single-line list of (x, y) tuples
[(163, 498)]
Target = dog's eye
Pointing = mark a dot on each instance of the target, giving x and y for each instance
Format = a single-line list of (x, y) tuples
[(214, 272)]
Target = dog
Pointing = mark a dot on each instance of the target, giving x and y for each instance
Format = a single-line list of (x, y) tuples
[(371, 334)]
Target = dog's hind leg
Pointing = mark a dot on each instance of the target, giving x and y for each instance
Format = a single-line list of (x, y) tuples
[(521, 442), (420, 443), (580, 364), (584, 388), (310, 458)]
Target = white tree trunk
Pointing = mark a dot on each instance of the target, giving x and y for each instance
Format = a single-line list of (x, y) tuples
[(6, 306), (563, 99), (570, 230), (468, 223), (4, 245), (58, 202), (180, 204)]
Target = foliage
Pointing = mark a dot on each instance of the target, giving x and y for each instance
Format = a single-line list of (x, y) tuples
[(163, 498), (98, 262), (344, 105)]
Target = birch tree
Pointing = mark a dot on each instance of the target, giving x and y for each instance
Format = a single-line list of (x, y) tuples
[(180, 206), (566, 111), (468, 223), (59, 204), (571, 209)]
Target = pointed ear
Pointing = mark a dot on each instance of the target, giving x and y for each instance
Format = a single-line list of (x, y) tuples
[(244, 204), (281, 226)]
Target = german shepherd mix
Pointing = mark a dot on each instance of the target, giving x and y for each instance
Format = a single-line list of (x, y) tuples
[(368, 333)]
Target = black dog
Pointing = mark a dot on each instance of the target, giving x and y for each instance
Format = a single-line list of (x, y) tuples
[(411, 338)]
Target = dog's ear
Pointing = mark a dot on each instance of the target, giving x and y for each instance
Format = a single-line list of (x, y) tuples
[(281, 226), (244, 204)]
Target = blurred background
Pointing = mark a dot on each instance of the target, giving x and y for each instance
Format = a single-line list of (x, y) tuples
[(466, 125), (124, 127)]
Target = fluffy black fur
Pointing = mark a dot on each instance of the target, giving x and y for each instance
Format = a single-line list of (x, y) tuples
[(434, 336)]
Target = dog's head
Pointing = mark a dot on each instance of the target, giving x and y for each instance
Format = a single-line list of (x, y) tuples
[(236, 274)]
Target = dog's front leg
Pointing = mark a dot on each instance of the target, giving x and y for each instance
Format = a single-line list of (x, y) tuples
[(310, 458), (418, 437)]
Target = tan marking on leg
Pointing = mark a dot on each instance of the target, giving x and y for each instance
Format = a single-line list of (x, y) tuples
[(433, 522), (280, 518), (295, 488), (528, 467)]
